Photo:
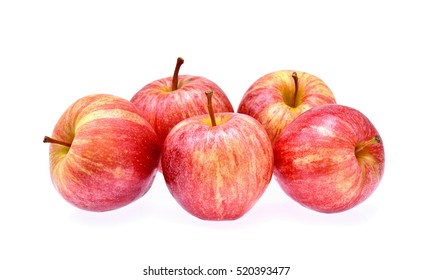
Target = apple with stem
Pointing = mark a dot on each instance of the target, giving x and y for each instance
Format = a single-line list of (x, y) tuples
[(217, 165), (103, 154), (167, 101), (277, 98), (329, 159)]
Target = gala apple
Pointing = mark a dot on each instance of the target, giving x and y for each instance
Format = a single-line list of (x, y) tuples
[(167, 101), (277, 98), (103, 153), (218, 165), (330, 159)]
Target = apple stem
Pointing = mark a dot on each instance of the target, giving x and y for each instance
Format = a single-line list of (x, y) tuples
[(376, 139), (54, 141), (175, 79), (210, 107), (295, 78)]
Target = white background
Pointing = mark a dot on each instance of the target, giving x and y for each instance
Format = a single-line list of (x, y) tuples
[(374, 55)]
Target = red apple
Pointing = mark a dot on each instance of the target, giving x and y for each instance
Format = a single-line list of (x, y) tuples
[(103, 153), (167, 101), (217, 166), (330, 159), (277, 98)]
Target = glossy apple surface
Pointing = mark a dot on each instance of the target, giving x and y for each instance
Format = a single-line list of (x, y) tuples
[(217, 172), (164, 105), (330, 158), (112, 157), (276, 99)]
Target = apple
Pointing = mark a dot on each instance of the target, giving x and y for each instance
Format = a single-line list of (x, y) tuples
[(167, 101), (217, 165), (329, 159), (103, 154), (277, 98)]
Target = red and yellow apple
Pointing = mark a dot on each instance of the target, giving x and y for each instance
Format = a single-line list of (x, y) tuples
[(329, 159), (103, 153), (277, 98), (167, 101), (218, 165)]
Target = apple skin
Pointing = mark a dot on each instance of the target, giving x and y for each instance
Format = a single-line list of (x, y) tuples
[(113, 155), (163, 108), (320, 162), (217, 172), (271, 99)]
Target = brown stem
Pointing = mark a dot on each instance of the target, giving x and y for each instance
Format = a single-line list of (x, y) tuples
[(54, 141), (295, 78), (174, 82), (210, 107), (376, 139)]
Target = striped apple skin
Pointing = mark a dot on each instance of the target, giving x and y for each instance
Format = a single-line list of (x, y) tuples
[(217, 173), (163, 108), (271, 99), (316, 162), (113, 155)]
